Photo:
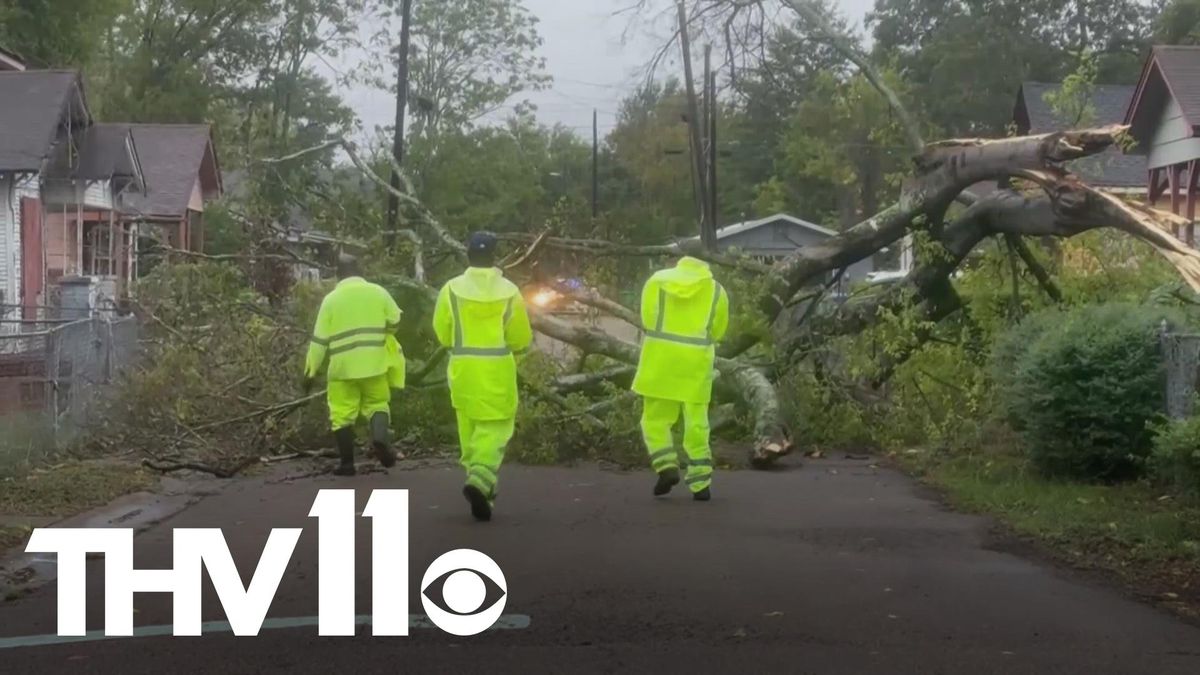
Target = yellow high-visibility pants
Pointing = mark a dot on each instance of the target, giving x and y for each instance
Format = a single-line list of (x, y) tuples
[(483, 443), (349, 399), (658, 419)]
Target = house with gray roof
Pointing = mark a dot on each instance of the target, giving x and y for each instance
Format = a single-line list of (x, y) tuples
[(61, 184), (76, 195), (1164, 119), (779, 236), (184, 175)]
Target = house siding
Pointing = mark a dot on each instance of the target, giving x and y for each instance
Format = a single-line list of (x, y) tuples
[(92, 195), (8, 214), (196, 202), (12, 190), (98, 195), (1173, 141)]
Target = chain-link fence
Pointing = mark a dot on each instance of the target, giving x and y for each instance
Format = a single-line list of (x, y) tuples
[(51, 377), (1181, 354)]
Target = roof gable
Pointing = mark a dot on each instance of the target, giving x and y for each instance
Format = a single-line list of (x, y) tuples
[(36, 104), (101, 152), (739, 228), (1169, 71), (173, 157)]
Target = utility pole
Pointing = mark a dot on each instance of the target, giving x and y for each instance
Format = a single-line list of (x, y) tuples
[(712, 154), (393, 203), (595, 163), (706, 235)]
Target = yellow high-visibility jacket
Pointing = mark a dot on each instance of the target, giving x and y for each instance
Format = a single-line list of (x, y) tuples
[(685, 312), (353, 326), (480, 317)]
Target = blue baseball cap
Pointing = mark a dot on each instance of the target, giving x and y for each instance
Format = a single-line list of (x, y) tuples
[(482, 242)]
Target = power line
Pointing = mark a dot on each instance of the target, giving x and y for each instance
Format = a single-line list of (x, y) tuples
[(593, 84)]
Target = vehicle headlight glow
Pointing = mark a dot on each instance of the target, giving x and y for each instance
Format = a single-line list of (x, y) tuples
[(544, 297)]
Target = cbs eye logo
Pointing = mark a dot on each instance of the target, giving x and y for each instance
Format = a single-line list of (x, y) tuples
[(464, 592)]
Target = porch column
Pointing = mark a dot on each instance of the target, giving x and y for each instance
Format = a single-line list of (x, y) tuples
[(1192, 185), (1174, 174), (1156, 185)]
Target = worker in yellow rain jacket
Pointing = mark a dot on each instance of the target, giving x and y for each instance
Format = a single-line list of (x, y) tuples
[(480, 317), (355, 332), (685, 312)]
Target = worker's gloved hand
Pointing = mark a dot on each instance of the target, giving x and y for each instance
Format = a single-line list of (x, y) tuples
[(307, 385)]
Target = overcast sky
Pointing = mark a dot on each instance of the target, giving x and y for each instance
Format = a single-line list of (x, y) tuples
[(594, 57)]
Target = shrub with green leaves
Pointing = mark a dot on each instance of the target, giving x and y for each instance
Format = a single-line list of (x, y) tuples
[(1176, 459), (1086, 388)]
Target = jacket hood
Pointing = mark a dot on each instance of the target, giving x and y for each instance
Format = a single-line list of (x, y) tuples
[(483, 284), (688, 278)]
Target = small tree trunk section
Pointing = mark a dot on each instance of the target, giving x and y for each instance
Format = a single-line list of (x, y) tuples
[(772, 439)]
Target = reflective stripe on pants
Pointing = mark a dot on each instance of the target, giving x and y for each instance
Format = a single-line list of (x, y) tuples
[(658, 419), (483, 443)]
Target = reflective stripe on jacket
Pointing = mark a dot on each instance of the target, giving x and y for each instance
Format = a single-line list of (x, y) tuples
[(480, 317), (352, 330), (685, 312)]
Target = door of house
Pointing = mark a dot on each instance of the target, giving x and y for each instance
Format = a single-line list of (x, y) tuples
[(32, 264)]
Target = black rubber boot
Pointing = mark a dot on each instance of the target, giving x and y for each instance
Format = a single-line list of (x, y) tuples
[(380, 440), (345, 446), (481, 508), (703, 495), (667, 479)]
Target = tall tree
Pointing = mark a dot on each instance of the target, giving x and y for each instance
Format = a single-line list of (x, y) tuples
[(469, 58), (1179, 23), (650, 149), (971, 55), (58, 33)]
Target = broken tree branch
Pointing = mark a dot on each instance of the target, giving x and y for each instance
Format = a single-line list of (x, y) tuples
[(690, 247)]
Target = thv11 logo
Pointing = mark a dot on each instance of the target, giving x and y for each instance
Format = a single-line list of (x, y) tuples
[(464, 579)]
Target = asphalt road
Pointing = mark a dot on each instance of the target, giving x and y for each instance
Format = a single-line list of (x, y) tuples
[(838, 567)]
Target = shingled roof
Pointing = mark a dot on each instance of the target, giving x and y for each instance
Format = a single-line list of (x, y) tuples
[(103, 151), (173, 156), (35, 103), (1113, 168)]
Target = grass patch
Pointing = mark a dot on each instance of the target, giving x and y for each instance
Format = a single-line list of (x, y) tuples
[(69, 488), (12, 537), (1149, 539), (26, 440)]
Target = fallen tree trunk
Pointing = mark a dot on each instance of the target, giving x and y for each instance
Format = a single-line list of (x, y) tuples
[(1061, 206)]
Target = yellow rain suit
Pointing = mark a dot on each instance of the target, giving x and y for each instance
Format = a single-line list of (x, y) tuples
[(354, 332), (480, 316), (685, 312)]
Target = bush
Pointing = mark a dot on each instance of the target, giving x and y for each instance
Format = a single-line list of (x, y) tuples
[(1008, 351), (1086, 389), (1176, 459)]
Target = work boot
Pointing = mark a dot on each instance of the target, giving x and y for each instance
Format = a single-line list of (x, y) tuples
[(703, 495), (380, 441), (345, 446), (481, 507), (667, 479)]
